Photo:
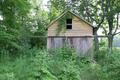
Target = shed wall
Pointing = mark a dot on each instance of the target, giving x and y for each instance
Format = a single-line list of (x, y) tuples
[(79, 28), (81, 45), (72, 37)]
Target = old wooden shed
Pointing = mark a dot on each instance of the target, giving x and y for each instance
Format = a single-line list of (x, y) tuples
[(72, 30)]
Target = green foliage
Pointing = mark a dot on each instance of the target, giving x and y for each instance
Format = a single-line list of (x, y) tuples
[(63, 64), (62, 22), (38, 21), (13, 13), (59, 64), (18, 25), (110, 64)]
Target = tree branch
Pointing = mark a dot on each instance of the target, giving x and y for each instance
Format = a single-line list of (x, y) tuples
[(100, 22), (117, 23), (102, 19), (104, 30), (116, 33)]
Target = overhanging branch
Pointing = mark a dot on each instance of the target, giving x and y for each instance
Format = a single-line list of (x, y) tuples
[(117, 26), (116, 33), (104, 30)]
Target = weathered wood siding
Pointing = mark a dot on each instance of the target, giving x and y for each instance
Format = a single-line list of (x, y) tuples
[(79, 28), (81, 45), (73, 38)]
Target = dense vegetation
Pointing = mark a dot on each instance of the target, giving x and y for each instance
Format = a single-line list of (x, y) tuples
[(60, 64), (23, 53)]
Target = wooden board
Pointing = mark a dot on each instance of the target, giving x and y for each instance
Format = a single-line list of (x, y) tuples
[(81, 45), (79, 28)]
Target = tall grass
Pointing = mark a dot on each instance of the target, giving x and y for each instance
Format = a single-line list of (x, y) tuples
[(60, 64)]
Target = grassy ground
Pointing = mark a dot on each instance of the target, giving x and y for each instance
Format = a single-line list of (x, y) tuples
[(60, 64)]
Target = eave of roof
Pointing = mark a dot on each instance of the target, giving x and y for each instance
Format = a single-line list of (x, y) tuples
[(52, 22)]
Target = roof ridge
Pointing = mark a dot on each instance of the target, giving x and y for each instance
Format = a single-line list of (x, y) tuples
[(64, 12)]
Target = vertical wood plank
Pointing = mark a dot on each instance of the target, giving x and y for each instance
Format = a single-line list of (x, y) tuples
[(81, 45)]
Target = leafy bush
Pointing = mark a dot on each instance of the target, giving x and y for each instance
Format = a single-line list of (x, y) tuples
[(63, 64), (110, 63), (60, 64)]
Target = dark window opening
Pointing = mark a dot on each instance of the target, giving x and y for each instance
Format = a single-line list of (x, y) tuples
[(69, 21), (69, 24)]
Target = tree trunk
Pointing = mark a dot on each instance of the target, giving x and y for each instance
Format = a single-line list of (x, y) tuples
[(110, 43), (96, 41)]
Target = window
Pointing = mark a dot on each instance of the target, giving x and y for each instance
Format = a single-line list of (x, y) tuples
[(69, 24)]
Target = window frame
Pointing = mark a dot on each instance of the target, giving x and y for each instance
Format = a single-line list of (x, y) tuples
[(69, 24)]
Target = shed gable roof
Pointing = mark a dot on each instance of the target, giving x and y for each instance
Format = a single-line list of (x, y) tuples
[(52, 22)]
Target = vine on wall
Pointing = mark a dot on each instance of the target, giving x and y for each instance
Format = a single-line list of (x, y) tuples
[(62, 23)]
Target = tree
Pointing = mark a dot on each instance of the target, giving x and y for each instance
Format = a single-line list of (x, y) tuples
[(112, 9), (38, 20), (14, 13)]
